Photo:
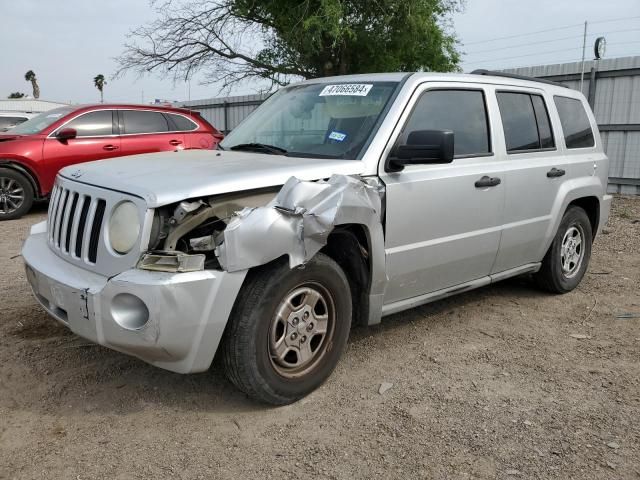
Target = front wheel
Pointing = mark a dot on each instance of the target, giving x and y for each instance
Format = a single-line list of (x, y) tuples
[(16, 194), (288, 329), (567, 259)]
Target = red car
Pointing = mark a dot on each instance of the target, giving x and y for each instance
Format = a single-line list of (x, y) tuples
[(32, 153)]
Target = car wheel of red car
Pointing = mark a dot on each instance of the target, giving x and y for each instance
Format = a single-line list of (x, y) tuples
[(16, 194)]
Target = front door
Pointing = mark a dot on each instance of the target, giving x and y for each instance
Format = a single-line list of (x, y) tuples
[(443, 222), (95, 140)]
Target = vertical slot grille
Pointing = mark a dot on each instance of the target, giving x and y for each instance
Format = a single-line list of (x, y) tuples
[(81, 225), (72, 212), (74, 224), (95, 231)]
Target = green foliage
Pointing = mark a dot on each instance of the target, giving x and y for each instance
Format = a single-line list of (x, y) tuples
[(232, 40), (330, 37), (16, 95), (99, 82)]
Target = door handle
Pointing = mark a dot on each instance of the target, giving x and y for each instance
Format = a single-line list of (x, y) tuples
[(175, 142), (110, 148), (487, 182), (555, 172)]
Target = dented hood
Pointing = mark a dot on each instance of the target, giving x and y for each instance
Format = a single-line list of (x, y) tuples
[(169, 177)]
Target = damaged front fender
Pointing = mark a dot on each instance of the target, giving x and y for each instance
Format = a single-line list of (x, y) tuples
[(298, 221)]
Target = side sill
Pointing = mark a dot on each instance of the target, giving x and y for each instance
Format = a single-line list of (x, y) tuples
[(528, 268), (408, 303)]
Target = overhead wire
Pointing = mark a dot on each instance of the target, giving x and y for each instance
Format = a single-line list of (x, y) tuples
[(553, 29)]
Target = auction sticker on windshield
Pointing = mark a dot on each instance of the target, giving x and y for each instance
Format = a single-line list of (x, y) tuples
[(350, 89)]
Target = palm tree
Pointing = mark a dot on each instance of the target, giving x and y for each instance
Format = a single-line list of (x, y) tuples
[(99, 83), (30, 76)]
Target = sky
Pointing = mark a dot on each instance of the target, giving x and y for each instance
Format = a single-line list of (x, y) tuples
[(67, 43)]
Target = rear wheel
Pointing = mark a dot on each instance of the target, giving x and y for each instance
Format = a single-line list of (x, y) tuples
[(288, 329), (567, 259), (16, 194)]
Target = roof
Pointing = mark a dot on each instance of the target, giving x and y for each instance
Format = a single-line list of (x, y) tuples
[(419, 77), (124, 106)]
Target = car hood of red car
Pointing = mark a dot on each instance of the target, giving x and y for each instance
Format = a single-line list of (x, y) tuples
[(169, 177)]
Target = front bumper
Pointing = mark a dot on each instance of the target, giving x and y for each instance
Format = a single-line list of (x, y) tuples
[(187, 312)]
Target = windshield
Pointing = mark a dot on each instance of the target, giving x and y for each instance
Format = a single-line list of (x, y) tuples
[(332, 120), (40, 122)]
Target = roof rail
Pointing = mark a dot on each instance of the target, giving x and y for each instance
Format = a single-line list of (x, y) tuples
[(516, 76)]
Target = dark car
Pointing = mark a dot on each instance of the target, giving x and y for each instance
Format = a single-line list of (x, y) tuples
[(32, 153)]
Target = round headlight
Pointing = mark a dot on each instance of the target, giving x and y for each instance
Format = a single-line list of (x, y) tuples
[(124, 227)]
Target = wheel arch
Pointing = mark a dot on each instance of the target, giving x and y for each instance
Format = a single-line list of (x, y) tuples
[(585, 192), (24, 170), (349, 246), (591, 205)]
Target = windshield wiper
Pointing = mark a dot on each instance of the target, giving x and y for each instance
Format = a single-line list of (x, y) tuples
[(260, 147)]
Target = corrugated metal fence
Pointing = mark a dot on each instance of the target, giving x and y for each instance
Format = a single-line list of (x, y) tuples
[(613, 89), (226, 113)]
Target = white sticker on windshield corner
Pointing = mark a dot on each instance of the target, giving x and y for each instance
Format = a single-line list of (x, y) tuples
[(337, 136), (347, 89)]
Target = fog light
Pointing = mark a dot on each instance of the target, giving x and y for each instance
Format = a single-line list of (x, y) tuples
[(129, 311)]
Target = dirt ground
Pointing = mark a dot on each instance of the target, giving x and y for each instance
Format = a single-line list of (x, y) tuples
[(490, 384)]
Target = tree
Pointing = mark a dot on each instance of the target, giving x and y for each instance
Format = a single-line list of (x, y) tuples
[(16, 95), (99, 82), (277, 40), (30, 76)]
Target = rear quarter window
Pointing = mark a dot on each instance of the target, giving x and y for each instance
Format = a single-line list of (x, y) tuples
[(181, 123), (575, 123)]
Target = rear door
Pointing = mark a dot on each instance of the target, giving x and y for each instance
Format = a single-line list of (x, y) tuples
[(443, 222), (536, 170), (146, 131), (96, 140)]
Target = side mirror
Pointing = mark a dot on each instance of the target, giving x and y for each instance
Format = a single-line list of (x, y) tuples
[(422, 147), (66, 134)]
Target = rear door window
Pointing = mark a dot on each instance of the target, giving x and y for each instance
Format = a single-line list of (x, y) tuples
[(462, 111), (544, 125), (143, 121), (525, 122), (575, 123), (93, 124)]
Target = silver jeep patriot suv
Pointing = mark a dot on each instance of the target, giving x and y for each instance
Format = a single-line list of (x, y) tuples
[(338, 201)]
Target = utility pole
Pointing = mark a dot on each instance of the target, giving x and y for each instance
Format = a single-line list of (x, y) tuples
[(584, 47)]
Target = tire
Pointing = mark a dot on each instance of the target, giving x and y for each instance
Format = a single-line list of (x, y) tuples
[(563, 269), (263, 327), (16, 194)]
